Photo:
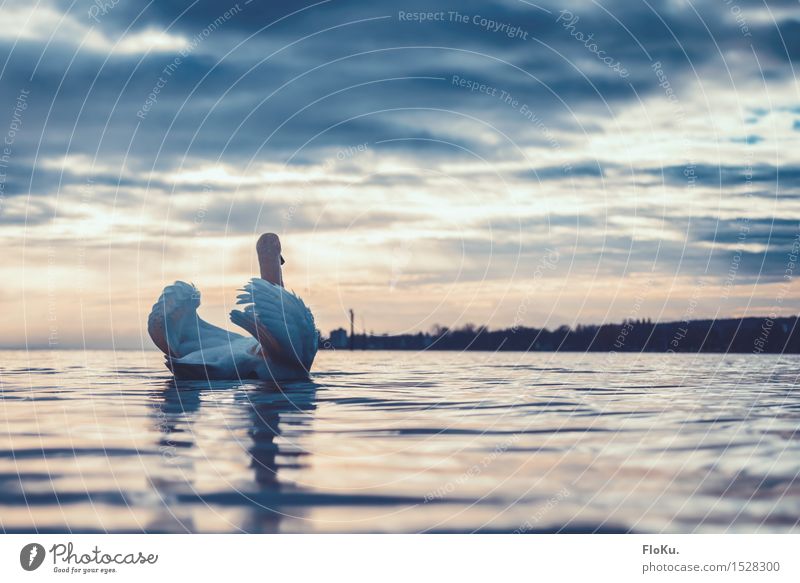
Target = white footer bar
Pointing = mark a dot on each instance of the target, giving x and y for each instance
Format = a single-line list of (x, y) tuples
[(387, 558)]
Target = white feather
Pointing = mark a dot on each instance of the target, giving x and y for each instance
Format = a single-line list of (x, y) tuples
[(280, 321)]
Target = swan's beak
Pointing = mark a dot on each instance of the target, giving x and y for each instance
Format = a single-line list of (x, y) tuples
[(282, 260)]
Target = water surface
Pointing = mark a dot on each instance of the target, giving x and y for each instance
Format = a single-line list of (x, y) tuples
[(403, 442)]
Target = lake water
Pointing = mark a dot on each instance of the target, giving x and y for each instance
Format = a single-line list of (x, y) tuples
[(403, 442)]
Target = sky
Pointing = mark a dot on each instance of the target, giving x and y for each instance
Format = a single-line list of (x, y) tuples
[(507, 163)]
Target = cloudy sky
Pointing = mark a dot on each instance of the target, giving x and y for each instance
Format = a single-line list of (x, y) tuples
[(505, 162)]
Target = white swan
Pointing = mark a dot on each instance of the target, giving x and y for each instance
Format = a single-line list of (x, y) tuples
[(283, 341)]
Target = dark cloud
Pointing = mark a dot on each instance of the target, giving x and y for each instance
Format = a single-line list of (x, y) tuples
[(776, 232), (564, 172), (280, 96), (750, 140), (728, 176)]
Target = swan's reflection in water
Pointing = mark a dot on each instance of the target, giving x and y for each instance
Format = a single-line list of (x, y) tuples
[(196, 450)]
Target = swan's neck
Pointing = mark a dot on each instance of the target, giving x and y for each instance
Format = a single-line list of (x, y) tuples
[(270, 265)]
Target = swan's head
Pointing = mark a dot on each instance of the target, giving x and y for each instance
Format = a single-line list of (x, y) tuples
[(270, 258)]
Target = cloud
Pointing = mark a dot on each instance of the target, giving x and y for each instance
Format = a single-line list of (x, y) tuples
[(43, 23), (750, 140), (777, 233), (731, 176)]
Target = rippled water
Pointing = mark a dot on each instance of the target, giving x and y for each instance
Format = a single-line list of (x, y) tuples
[(403, 442)]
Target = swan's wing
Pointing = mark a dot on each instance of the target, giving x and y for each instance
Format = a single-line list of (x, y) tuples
[(280, 321), (175, 326)]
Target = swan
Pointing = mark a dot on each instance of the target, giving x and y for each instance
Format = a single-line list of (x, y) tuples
[(283, 339)]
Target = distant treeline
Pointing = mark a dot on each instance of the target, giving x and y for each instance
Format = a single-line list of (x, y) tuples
[(747, 335)]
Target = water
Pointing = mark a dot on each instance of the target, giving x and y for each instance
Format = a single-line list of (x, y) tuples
[(403, 442)]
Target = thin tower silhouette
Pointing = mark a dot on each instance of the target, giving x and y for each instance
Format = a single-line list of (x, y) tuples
[(352, 329)]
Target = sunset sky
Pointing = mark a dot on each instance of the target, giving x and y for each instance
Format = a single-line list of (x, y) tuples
[(500, 163)]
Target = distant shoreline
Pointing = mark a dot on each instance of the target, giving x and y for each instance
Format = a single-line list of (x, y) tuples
[(756, 335)]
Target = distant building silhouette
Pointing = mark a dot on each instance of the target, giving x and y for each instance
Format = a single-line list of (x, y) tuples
[(338, 338)]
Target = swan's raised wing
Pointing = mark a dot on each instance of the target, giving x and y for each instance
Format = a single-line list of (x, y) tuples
[(175, 326), (280, 321)]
